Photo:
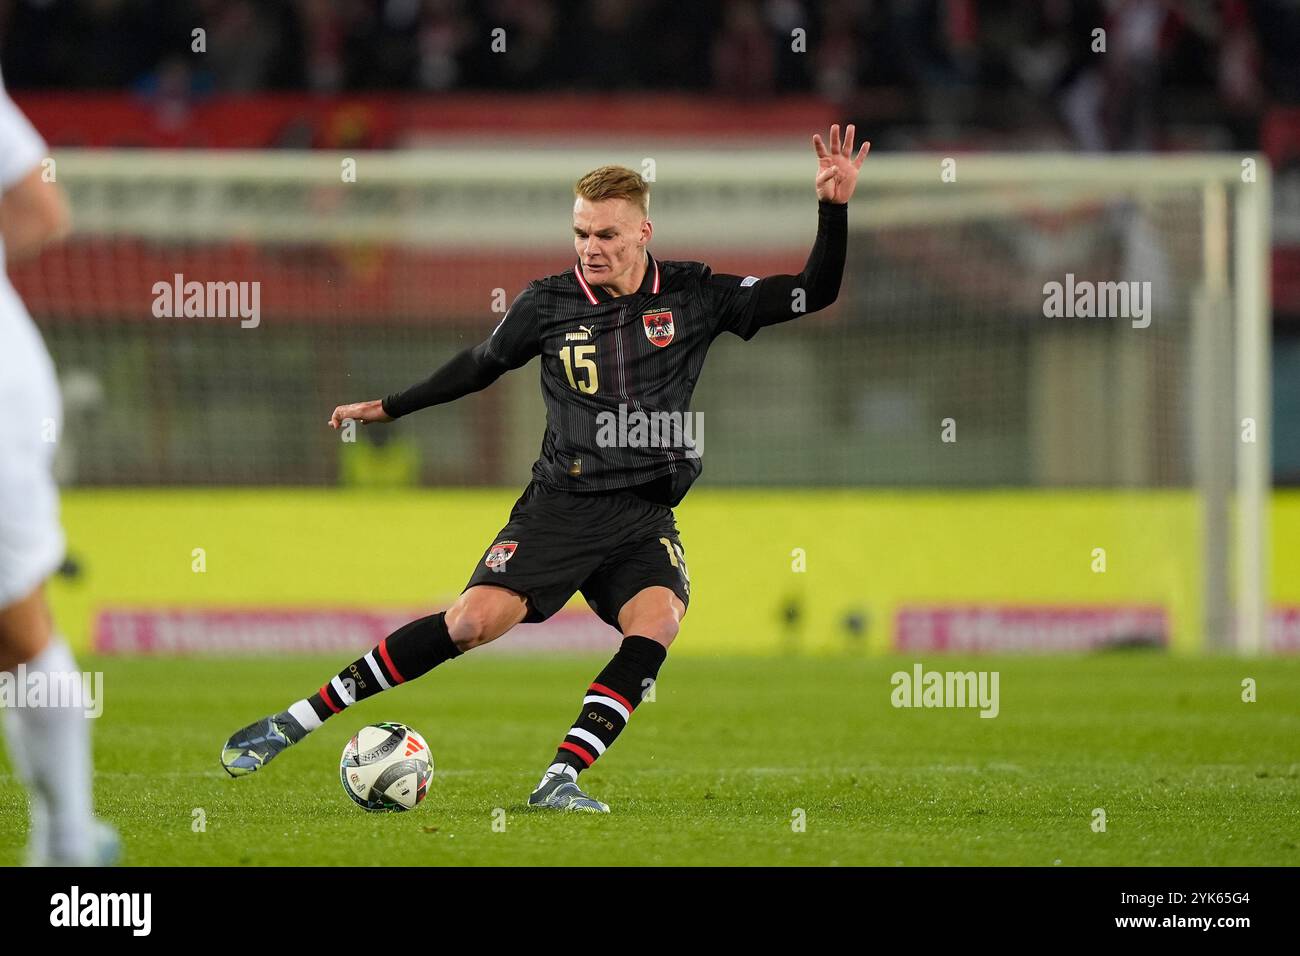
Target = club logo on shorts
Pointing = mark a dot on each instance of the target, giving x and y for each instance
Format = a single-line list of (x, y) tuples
[(500, 553), (658, 327)]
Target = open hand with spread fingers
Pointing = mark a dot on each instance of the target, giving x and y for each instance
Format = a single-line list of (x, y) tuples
[(837, 169)]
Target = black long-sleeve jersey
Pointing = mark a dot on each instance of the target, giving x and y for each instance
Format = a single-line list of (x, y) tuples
[(618, 371)]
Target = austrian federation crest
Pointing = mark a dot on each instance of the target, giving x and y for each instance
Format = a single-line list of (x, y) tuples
[(658, 327), (500, 553)]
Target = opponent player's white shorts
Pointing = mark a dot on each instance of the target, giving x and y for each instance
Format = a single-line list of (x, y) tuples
[(31, 421), (31, 414)]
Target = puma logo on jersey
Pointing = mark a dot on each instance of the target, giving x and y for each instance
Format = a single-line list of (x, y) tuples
[(582, 335)]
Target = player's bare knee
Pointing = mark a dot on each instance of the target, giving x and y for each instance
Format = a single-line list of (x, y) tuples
[(20, 647), (661, 626), (477, 618), (24, 631), (467, 623)]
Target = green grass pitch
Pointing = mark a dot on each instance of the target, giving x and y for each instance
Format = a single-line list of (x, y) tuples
[(715, 770)]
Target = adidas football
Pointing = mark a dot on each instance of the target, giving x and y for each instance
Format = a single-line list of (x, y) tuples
[(386, 767)]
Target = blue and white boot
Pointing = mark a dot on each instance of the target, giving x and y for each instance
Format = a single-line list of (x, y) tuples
[(558, 791), (256, 745)]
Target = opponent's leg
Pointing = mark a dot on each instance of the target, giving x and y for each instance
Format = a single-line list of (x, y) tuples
[(50, 745), (481, 614), (650, 620)]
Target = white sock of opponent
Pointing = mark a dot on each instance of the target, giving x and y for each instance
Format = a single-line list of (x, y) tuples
[(38, 837), (51, 748)]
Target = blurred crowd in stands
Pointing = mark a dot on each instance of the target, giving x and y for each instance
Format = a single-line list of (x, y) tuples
[(995, 64)]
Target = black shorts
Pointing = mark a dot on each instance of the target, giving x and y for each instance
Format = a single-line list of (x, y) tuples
[(608, 545)]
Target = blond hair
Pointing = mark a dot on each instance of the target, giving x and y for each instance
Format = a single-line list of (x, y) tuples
[(615, 182)]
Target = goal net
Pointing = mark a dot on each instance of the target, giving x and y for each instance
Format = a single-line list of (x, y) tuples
[(1026, 322)]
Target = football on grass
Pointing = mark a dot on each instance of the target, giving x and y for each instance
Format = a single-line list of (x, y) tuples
[(386, 767)]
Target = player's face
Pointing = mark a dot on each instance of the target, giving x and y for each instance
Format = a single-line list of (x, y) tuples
[(610, 237)]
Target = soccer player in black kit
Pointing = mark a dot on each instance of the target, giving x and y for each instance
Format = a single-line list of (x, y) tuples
[(620, 333)]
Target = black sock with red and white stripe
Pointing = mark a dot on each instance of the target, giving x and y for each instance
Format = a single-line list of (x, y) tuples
[(608, 704), (409, 652)]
